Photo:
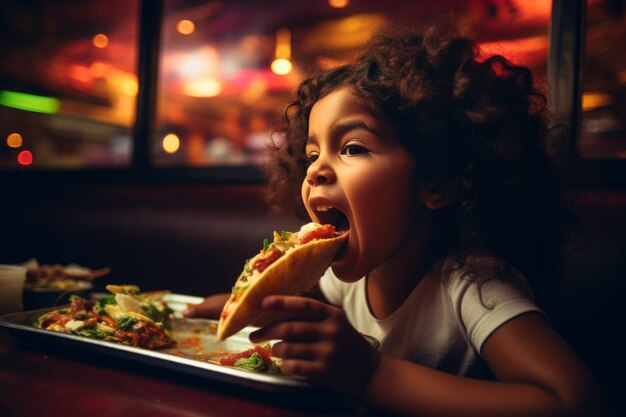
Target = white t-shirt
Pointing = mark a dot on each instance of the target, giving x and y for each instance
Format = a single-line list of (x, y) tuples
[(447, 317)]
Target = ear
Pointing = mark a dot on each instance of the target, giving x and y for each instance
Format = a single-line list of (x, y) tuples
[(439, 195)]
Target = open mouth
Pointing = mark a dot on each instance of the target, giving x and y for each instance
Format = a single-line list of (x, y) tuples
[(331, 215)]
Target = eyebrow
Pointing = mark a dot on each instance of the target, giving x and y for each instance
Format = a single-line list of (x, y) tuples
[(347, 126)]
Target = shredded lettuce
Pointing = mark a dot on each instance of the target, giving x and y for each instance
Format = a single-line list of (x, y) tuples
[(253, 363), (237, 289), (92, 332), (99, 306), (155, 312), (127, 322)]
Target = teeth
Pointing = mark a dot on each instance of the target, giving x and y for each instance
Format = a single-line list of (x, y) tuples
[(323, 207)]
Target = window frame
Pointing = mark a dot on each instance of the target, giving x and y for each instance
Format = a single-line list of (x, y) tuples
[(565, 79)]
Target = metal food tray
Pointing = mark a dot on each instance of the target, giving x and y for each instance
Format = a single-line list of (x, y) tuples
[(197, 347)]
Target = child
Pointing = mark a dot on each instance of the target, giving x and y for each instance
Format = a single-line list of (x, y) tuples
[(432, 161)]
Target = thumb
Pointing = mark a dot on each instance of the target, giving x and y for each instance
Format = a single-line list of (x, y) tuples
[(211, 307)]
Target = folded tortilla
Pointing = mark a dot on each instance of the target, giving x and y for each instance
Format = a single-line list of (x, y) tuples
[(294, 273)]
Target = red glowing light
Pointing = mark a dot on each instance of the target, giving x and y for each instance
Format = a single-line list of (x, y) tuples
[(25, 158)]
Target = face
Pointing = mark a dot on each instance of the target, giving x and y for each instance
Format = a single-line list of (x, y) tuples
[(361, 180)]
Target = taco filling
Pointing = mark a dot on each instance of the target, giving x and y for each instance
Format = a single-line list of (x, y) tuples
[(271, 252), (127, 317), (257, 359), (291, 264)]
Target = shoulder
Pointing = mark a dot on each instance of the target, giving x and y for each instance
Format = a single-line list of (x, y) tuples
[(483, 274), (485, 292)]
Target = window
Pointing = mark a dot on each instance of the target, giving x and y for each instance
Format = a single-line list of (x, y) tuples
[(226, 70), (603, 130), (68, 83)]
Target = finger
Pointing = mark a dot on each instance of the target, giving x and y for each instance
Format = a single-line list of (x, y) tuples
[(200, 311), (307, 369), (300, 307), (302, 351), (291, 331), (211, 307)]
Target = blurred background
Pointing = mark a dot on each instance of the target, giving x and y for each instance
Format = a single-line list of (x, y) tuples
[(226, 69)]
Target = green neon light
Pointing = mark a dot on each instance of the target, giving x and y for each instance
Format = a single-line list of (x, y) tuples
[(29, 102)]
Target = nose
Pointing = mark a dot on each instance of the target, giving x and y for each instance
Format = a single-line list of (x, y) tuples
[(319, 173)]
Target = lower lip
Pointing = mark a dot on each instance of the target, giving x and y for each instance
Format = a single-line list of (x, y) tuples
[(344, 263)]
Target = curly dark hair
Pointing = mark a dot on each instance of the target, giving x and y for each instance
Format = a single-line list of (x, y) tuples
[(475, 125)]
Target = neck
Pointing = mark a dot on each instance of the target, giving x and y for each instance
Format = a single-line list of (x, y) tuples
[(390, 283)]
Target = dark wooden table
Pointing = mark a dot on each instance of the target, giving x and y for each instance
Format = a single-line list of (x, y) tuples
[(49, 381)]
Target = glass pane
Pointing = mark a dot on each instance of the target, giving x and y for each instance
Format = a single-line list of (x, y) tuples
[(227, 69), (68, 83), (603, 132)]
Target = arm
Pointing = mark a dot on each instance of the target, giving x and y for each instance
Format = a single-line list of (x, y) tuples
[(537, 372)]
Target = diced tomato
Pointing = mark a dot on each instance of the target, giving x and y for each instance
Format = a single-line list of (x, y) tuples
[(325, 232), (265, 259), (108, 320), (229, 360)]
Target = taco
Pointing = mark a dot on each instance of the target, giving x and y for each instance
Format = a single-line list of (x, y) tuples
[(290, 265)]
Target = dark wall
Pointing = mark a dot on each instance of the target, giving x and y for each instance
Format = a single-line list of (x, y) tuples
[(589, 309), (189, 239)]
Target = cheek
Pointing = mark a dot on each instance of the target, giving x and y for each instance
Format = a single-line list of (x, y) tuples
[(305, 190), (387, 203)]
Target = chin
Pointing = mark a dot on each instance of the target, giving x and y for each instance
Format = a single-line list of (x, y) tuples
[(346, 265), (346, 274)]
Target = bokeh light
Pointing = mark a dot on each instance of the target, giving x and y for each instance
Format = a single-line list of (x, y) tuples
[(171, 143), (14, 140), (25, 158), (338, 4), (202, 87), (185, 27), (282, 66), (100, 40), (130, 87)]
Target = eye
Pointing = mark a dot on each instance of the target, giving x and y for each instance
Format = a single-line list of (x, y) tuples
[(312, 157), (352, 149)]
